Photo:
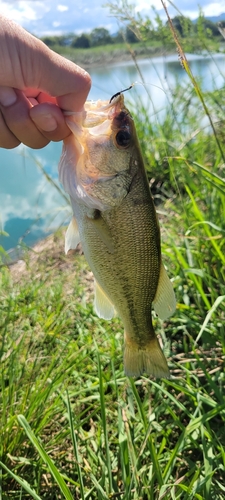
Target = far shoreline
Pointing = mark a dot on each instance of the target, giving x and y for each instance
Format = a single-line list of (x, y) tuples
[(114, 58), (90, 59)]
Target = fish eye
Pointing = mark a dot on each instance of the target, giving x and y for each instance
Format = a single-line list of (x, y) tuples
[(123, 138)]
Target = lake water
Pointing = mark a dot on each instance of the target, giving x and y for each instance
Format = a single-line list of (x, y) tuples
[(30, 208)]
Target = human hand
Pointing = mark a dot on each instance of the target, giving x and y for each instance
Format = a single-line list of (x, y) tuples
[(36, 84)]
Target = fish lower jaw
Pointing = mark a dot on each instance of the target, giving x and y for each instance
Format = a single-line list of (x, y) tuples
[(147, 359)]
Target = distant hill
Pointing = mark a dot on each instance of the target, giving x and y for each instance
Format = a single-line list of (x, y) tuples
[(217, 19), (214, 19)]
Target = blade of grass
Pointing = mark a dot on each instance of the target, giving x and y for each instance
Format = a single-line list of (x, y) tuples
[(208, 458), (199, 215), (131, 452), (75, 446), (156, 464), (104, 423), (25, 485), (45, 457), (214, 307), (100, 490), (187, 68)]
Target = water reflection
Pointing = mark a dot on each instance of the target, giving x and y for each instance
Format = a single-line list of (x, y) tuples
[(161, 71), (29, 205)]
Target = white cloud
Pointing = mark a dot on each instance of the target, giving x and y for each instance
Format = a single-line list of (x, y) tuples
[(22, 11), (43, 17), (78, 20), (146, 5), (214, 9), (188, 8), (62, 8)]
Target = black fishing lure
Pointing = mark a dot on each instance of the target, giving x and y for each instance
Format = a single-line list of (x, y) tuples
[(121, 92)]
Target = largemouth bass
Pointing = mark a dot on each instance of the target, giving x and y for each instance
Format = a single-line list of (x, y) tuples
[(102, 169)]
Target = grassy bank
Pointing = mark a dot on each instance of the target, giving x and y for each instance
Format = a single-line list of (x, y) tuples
[(61, 368), (111, 54), (71, 424)]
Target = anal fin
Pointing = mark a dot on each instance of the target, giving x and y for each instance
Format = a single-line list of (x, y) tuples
[(103, 306), (164, 302)]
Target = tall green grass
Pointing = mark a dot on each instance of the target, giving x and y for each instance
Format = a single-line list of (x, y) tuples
[(71, 424)]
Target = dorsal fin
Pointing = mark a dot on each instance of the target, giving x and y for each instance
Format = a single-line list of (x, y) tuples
[(164, 302), (72, 237), (103, 306)]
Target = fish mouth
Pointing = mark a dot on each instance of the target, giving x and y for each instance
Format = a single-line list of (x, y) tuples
[(110, 118), (98, 112), (96, 130), (95, 113)]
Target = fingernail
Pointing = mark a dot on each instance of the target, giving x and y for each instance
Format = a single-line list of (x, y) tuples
[(7, 96), (45, 122)]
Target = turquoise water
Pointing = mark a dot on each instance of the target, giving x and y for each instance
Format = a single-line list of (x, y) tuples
[(30, 208)]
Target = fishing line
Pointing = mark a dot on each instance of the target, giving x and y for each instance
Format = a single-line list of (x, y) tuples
[(149, 84)]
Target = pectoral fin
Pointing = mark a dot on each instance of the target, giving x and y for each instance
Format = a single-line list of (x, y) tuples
[(102, 230), (72, 237), (103, 306), (164, 302)]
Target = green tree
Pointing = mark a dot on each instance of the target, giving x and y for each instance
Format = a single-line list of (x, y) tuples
[(162, 32), (50, 41), (205, 29), (210, 27), (66, 39), (81, 42), (183, 25), (130, 35), (62, 40), (119, 37), (100, 36)]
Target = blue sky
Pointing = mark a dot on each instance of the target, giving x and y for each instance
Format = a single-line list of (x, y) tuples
[(64, 16)]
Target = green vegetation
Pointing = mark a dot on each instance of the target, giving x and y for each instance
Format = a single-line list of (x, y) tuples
[(72, 425), (107, 54), (145, 38)]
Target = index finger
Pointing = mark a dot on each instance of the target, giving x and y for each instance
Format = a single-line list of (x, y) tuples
[(36, 66), (66, 81)]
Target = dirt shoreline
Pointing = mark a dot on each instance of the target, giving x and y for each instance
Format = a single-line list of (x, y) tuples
[(47, 249)]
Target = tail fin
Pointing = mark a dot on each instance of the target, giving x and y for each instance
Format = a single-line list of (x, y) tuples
[(148, 359)]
